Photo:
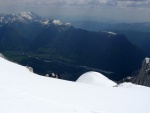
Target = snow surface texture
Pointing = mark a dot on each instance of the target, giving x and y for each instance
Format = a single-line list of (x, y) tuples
[(95, 78), (24, 92), (130, 85)]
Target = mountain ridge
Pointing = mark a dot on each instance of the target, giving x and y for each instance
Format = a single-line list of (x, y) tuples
[(58, 41)]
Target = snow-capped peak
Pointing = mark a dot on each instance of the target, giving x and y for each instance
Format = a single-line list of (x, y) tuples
[(57, 22), (68, 24), (7, 18), (29, 16), (26, 15), (21, 17), (147, 60), (45, 21), (1, 19)]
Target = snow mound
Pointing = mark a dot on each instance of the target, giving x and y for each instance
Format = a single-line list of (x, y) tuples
[(95, 78)]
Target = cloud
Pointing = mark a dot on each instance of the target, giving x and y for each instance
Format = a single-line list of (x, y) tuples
[(96, 3), (100, 2), (127, 10), (133, 3)]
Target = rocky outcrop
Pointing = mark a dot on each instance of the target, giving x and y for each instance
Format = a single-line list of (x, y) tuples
[(53, 75), (143, 77), (145, 70), (30, 69), (1, 55), (140, 76)]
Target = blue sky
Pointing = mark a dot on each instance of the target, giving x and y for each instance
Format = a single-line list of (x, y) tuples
[(99, 10)]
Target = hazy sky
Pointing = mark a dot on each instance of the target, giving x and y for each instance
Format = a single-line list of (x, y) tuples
[(99, 10)]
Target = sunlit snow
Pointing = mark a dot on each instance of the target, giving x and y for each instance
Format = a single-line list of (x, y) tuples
[(147, 60), (27, 15), (68, 24), (57, 22), (45, 22), (109, 32), (95, 78), (22, 91)]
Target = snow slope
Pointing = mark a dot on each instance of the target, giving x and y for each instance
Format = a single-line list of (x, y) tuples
[(24, 92), (130, 85), (95, 78)]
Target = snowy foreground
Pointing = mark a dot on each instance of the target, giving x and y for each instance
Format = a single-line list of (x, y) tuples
[(24, 92)]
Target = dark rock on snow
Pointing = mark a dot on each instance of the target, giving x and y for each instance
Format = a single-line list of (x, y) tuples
[(143, 77)]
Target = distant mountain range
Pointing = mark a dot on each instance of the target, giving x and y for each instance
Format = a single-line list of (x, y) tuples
[(27, 35), (99, 26), (136, 33)]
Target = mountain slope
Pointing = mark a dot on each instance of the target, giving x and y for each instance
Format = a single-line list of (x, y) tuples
[(11, 39), (26, 36), (140, 39), (136, 33), (102, 50), (25, 92)]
